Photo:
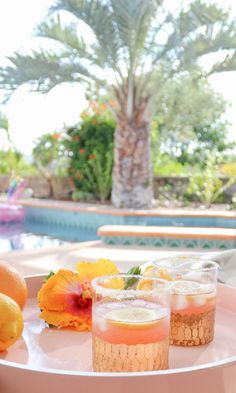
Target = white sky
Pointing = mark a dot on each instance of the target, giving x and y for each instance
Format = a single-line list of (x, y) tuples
[(31, 115)]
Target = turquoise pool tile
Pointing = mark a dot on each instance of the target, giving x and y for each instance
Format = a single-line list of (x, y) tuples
[(173, 243), (143, 241), (157, 243)]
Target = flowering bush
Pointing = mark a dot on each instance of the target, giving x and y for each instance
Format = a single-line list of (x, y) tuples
[(89, 147)]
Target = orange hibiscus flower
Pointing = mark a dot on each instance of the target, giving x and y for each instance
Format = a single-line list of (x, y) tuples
[(65, 299), (88, 271)]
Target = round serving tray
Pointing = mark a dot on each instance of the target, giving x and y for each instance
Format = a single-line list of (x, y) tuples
[(48, 360)]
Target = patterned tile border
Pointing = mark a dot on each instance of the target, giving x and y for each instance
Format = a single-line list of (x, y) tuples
[(169, 243)]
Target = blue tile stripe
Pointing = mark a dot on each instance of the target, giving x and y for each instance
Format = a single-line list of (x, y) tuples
[(93, 220)]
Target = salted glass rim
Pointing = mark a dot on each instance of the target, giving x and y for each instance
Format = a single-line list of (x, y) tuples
[(195, 266), (165, 285)]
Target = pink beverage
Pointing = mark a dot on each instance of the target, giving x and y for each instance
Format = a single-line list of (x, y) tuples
[(193, 298), (130, 334), (192, 313)]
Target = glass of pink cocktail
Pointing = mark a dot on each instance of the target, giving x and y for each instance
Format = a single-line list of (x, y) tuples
[(193, 296), (130, 323)]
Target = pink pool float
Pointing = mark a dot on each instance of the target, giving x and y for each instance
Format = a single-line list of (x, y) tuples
[(54, 360), (11, 213)]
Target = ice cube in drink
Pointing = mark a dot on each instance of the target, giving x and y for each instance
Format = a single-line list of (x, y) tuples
[(192, 313)]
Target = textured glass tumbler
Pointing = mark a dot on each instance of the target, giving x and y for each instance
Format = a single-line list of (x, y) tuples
[(193, 298), (130, 323)]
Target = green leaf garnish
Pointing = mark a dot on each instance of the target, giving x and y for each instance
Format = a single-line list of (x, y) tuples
[(49, 276), (129, 282)]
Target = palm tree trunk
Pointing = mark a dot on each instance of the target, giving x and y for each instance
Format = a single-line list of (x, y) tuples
[(132, 172)]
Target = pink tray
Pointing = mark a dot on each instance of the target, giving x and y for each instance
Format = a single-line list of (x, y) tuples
[(50, 360)]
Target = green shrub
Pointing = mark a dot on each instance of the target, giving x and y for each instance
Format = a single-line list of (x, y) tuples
[(234, 201), (89, 147), (13, 163), (205, 185), (48, 155), (166, 166), (82, 196), (98, 174)]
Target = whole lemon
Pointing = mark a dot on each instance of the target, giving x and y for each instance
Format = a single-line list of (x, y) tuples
[(11, 321)]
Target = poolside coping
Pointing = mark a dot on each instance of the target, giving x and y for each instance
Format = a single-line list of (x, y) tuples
[(166, 236), (110, 210), (169, 232)]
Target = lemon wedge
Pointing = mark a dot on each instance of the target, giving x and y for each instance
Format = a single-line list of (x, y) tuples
[(148, 271), (114, 283), (145, 284)]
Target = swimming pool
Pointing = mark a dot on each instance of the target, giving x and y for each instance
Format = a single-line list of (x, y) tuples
[(32, 235), (52, 223), (92, 218)]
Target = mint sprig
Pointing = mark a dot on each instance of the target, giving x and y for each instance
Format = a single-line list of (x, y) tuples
[(130, 282)]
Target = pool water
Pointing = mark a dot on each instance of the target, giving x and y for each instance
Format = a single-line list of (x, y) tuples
[(28, 236)]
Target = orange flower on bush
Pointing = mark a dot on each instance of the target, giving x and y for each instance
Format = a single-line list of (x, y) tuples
[(81, 151), (56, 135), (65, 299)]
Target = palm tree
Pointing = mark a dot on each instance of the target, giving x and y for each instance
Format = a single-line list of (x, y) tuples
[(133, 42)]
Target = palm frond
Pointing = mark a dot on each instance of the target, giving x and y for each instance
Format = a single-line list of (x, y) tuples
[(65, 35), (203, 29), (200, 14), (98, 16), (176, 33), (133, 40), (132, 20), (43, 70), (228, 64)]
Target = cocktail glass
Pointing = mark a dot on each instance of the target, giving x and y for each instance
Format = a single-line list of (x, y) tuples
[(193, 297), (130, 323)]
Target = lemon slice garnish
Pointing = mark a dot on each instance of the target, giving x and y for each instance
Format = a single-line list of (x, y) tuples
[(131, 316)]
